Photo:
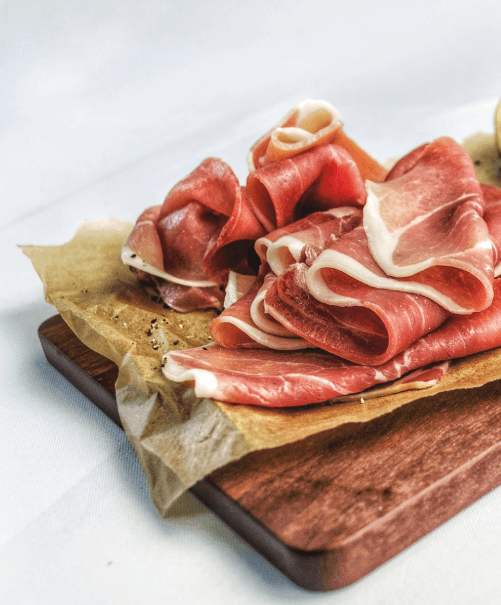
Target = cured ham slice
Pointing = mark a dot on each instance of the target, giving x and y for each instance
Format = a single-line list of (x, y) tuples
[(321, 178), (364, 325), (307, 125), (422, 378), (188, 298), (245, 324), (425, 227), (285, 246), (280, 379), (204, 228)]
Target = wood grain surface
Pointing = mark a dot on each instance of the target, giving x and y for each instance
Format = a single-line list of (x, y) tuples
[(331, 508)]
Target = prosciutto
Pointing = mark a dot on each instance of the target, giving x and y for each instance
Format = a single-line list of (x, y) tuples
[(309, 124), (425, 228), (306, 237), (265, 377), (203, 229), (370, 326), (245, 324), (321, 178)]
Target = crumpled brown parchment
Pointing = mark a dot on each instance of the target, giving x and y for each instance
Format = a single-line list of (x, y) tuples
[(180, 439)]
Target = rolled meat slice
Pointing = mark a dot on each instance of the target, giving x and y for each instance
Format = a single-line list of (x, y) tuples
[(246, 325), (307, 125), (365, 325), (321, 178)]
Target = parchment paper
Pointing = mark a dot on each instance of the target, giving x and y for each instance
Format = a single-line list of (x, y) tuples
[(180, 439)]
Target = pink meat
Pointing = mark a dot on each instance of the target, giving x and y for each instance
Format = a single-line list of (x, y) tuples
[(376, 326), (245, 325), (281, 379), (306, 238), (425, 226), (338, 221), (321, 178), (188, 298), (204, 228)]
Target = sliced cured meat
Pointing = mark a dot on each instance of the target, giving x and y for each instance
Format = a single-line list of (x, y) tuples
[(203, 229), (370, 327), (422, 378), (171, 246), (245, 325), (265, 377), (425, 226), (188, 298), (285, 246), (321, 178), (293, 378), (215, 187), (307, 125), (492, 217)]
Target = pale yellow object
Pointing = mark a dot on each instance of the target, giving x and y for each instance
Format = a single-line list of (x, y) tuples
[(497, 126), (483, 151), (180, 439)]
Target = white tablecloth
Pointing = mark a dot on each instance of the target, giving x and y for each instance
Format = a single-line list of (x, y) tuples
[(105, 105)]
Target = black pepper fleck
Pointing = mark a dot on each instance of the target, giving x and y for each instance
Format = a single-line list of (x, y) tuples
[(176, 342)]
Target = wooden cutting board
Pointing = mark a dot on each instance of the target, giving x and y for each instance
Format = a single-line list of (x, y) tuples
[(331, 508)]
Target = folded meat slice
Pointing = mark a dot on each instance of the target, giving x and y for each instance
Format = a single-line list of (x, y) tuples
[(425, 226), (422, 378), (245, 324), (293, 378), (307, 237), (188, 298), (359, 323), (203, 229), (321, 178), (307, 125)]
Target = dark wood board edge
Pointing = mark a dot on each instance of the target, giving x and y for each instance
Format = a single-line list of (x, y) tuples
[(343, 563), (301, 567)]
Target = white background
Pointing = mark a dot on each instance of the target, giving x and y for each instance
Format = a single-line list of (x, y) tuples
[(104, 105)]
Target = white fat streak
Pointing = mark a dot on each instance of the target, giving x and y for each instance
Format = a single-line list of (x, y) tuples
[(379, 376), (206, 384), (294, 133), (320, 381), (383, 244), (284, 252), (332, 259), (238, 285), (129, 257), (261, 319), (309, 106), (268, 340), (341, 211)]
